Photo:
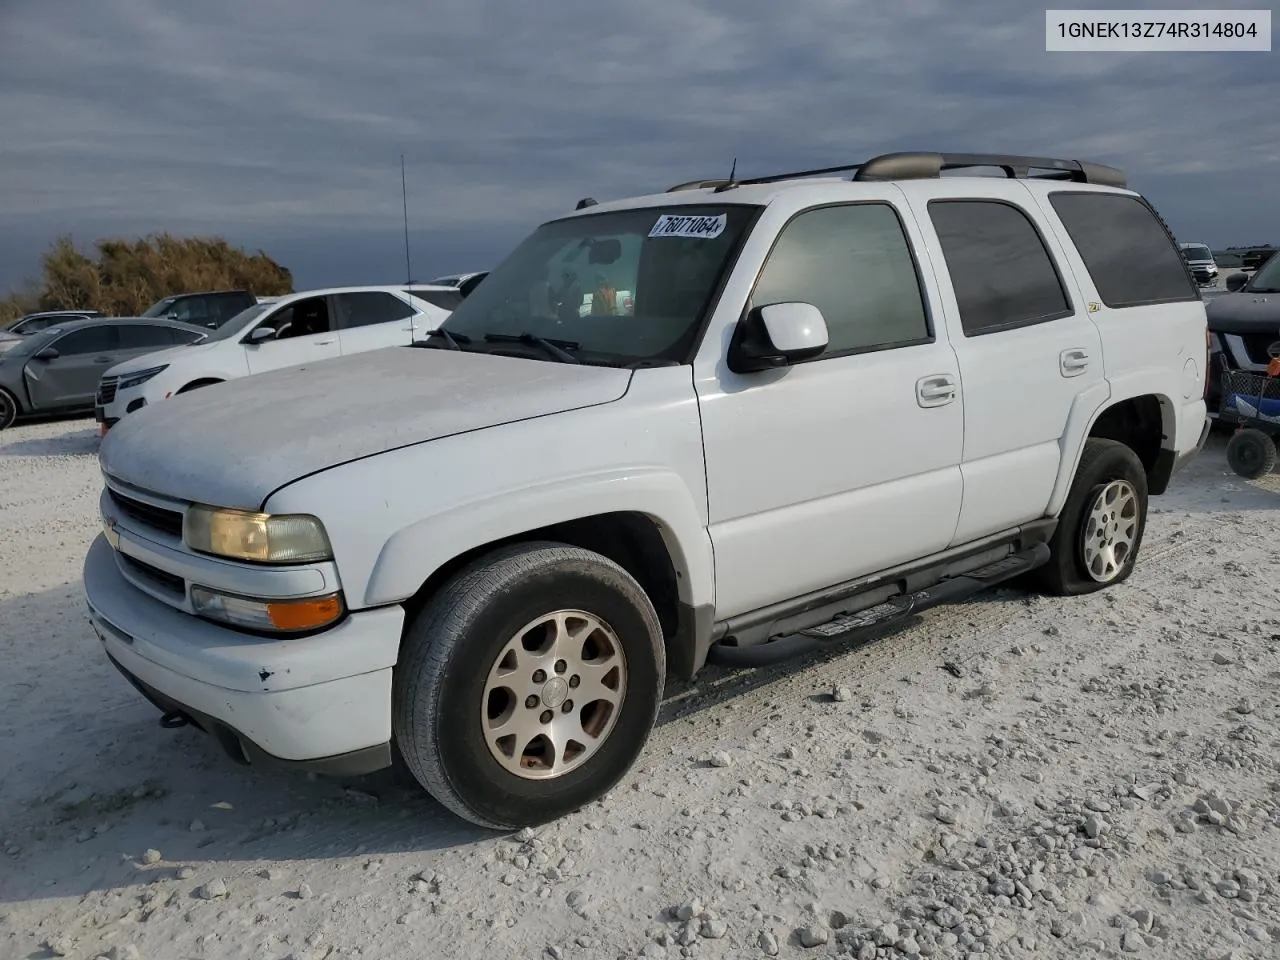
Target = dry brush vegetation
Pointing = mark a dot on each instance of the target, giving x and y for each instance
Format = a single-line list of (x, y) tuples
[(125, 276)]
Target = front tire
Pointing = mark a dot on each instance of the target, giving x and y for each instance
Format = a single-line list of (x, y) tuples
[(1100, 529), (8, 409), (528, 685)]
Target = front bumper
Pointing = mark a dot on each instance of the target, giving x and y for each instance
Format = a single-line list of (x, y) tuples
[(321, 702)]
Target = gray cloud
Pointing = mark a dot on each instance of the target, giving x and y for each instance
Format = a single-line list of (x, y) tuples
[(280, 122)]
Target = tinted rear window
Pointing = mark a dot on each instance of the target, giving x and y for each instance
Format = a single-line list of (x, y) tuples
[(1002, 274), (1126, 249)]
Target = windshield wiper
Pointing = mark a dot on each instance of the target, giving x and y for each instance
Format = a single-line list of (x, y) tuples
[(454, 340), (557, 349)]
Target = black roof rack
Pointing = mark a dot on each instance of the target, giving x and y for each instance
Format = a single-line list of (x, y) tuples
[(698, 185), (921, 166), (926, 166)]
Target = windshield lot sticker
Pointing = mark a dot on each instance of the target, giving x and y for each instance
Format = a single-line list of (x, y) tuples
[(699, 228)]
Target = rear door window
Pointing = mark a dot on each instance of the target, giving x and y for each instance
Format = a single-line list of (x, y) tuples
[(1002, 273), (369, 307), (141, 336)]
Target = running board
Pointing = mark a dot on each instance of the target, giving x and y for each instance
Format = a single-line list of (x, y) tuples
[(849, 627)]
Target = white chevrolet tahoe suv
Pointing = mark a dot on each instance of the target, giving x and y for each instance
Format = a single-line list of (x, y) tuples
[(834, 403)]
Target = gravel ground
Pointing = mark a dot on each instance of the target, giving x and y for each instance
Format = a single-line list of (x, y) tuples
[(1014, 777)]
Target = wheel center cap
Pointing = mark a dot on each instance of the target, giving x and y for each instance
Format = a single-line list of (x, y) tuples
[(554, 692)]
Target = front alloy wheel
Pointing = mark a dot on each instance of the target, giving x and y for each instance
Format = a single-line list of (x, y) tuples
[(554, 694)]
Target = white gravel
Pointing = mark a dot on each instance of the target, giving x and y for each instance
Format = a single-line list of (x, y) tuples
[(1017, 777)]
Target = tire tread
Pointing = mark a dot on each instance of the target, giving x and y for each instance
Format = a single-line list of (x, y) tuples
[(439, 628)]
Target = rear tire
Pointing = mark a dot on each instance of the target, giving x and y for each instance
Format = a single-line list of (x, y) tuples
[(483, 704), (8, 409), (1251, 453), (1100, 528)]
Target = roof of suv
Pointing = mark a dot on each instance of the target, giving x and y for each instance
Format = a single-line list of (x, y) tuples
[(901, 168)]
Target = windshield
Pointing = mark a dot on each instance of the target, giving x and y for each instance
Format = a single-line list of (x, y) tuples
[(1197, 253), (1267, 279), (237, 323), (619, 288), (160, 308), (32, 344)]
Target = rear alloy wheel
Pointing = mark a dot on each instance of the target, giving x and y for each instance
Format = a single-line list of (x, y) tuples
[(1101, 524), (8, 409), (1110, 531), (1251, 453), (527, 686)]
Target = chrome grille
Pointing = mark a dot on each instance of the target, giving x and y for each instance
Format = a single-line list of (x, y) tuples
[(158, 518), (107, 389), (159, 579)]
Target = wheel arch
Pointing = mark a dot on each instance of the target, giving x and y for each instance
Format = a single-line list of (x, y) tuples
[(630, 539), (648, 525), (199, 382), (1144, 421)]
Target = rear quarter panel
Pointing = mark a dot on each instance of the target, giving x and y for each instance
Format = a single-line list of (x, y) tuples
[(1157, 349)]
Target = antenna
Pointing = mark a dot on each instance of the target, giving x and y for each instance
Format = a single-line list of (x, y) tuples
[(404, 196), (408, 269), (733, 169)]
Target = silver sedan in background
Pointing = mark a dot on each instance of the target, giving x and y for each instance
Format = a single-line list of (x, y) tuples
[(57, 370)]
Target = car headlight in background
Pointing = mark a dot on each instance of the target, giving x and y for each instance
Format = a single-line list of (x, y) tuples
[(138, 379), (277, 616), (259, 537)]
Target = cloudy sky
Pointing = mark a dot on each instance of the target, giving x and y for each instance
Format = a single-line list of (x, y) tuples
[(280, 123)]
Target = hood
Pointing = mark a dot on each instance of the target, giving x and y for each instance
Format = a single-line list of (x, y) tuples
[(155, 358), (234, 444), (1243, 312)]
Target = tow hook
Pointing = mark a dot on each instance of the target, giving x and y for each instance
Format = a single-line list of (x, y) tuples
[(174, 719)]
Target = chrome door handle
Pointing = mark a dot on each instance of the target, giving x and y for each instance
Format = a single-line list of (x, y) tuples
[(935, 391), (323, 343)]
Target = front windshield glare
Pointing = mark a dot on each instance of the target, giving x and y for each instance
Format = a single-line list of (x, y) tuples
[(618, 287)]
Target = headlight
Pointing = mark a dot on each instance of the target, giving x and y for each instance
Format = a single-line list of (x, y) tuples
[(279, 616), (261, 537), (142, 376)]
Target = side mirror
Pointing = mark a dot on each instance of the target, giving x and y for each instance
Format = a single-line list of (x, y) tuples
[(262, 334), (777, 335), (1237, 280), (48, 353)]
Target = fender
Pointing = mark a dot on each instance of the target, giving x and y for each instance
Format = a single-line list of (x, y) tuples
[(412, 554), (1090, 405)]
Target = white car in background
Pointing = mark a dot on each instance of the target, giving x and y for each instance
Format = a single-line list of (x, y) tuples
[(290, 330)]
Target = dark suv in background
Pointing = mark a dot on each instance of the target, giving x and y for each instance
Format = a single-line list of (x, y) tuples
[(208, 309), (1244, 324)]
